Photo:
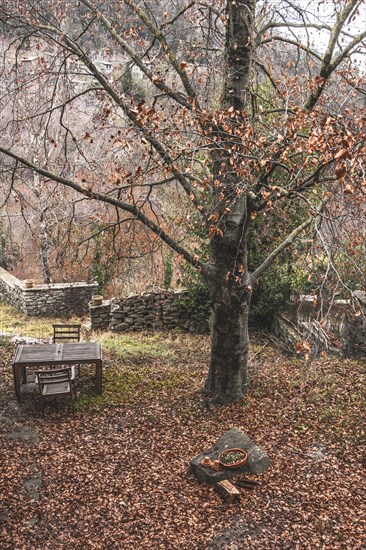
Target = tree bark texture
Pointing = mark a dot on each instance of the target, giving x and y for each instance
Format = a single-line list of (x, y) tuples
[(230, 290), (44, 248), (227, 376), (226, 275), (239, 36), (43, 233)]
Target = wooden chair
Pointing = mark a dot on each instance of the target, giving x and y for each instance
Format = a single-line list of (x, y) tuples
[(66, 333), (56, 383)]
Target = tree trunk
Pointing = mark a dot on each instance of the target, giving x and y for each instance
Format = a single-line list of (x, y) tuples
[(226, 273), (238, 53), (227, 376), (228, 280), (44, 248), (43, 233)]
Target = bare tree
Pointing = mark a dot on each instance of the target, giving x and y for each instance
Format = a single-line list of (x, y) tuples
[(213, 119)]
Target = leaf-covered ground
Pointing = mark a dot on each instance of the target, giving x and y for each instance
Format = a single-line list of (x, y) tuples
[(116, 474)]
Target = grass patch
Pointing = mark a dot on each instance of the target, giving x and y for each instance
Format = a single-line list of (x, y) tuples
[(119, 388), (126, 385), (12, 321), (171, 346), (168, 346), (138, 366), (137, 344)]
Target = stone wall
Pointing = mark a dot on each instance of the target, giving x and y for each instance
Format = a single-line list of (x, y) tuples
[(293, 336), (353, 338), (11, 289), (341, 332), (156, 310), (59, 299), (100, 315)]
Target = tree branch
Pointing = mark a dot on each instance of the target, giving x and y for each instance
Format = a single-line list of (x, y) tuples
[(327, 67), (296, 43), (132, 115), (285, 244), (131, 208), (136, 59), (178, 67)]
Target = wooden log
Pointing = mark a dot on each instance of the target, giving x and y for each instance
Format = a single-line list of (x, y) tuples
[(245, 484), (227, 491)]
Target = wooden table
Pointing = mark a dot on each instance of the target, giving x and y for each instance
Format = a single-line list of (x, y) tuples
[(54, 355)]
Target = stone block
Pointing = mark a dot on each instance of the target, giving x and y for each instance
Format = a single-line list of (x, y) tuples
[(258, 461), (121, 327)]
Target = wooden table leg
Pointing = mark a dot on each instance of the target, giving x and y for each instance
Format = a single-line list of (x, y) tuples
[(16, 375), (98, 376)]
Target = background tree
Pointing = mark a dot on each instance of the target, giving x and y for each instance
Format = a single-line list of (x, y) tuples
[(216, 124)]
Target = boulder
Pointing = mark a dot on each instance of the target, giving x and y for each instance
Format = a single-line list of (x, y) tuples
[(257, 463)]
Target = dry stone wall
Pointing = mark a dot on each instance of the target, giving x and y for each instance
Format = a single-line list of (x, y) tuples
[(353, 338), (59, 299), (100, 315), (11, 289), (156, 310), (345, 324)]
